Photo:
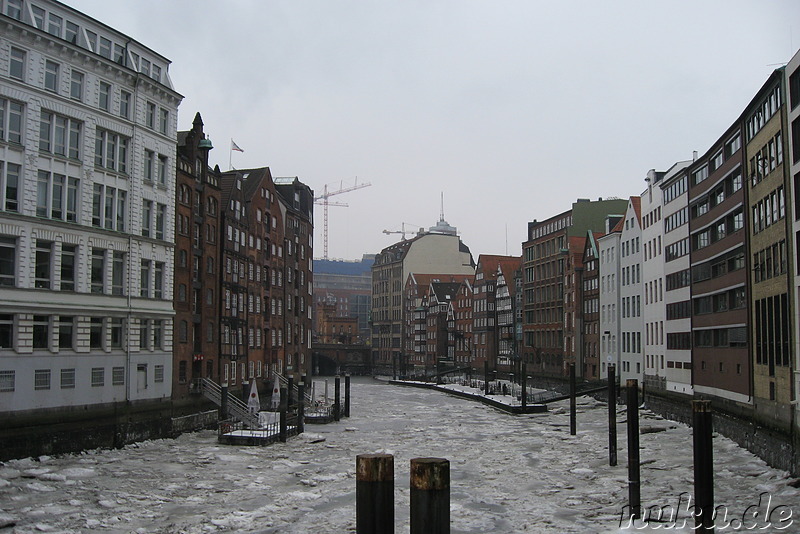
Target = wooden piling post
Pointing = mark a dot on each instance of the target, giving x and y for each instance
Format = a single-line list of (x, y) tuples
[(612, 416), (486, 377), (223, 403), (337, 406), (374, 494), (289, 389), (347, 395), (572, 401), (703, 465), (524, 380), (634, 480), (301, 406), (430, 496), (283, 406)]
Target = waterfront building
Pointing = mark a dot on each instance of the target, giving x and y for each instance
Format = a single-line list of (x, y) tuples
[(589, 304), (675, 310), (87, 166), (486, 340), (793, 142), (717, 247), (630, 292), (610, 301), (770, 247), (544, 262), (197, 255), (349, 284), (506, 304), (573, 304), (438, 250)]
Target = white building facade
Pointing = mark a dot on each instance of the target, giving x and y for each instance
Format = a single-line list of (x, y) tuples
[(87, 164), (631, 298), (608, 246)]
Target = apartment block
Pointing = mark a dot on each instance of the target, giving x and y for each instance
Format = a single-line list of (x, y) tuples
[(87, 142)]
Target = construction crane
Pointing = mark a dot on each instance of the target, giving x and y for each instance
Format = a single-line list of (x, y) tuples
[(403, 230), (323, 200)]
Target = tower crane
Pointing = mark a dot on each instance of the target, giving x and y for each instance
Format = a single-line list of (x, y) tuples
[(403, 230), (323, 200)]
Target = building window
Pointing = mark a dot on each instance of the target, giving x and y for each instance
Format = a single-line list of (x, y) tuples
[(162, 170), (183, 332), (76, 85), (104, 101), (9, 186), (118, 274), (16, 67), (163, 122), (41, 331), (68, 255), (108, 207), (158, 373), (147, 218), (57, 196), (125, 104), (111, 151), (41, 379), (144, 280), (7, 381), (96, 333), (149, 164), (71, 32), (117, 331), (158, 334), (161, 216), (8, 248), (10, 121), (43, 270), (68, 378), (151, 115), (98, 377), (159, 280), (59, 135), (98, 268), (117, 376), (51, 75), (6, 331), (65, 332)]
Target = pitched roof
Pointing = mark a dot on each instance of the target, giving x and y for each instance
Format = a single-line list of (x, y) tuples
[(488, 264)]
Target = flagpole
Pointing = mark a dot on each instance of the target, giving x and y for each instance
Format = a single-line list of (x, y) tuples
[(230, 156)]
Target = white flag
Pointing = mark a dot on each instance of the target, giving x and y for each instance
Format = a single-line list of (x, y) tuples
[(235, 147)]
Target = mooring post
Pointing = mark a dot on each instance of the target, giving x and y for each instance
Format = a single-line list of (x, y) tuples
[(394, 367), (430, 496), (486, 377), (374, 494), (289, 388), (524, 380), (326, 391), (283, 407), (612, 415), (572, 402), (223, 403), (634, 482), (347, 395), (337, 406), (301, 406), (703, 465)]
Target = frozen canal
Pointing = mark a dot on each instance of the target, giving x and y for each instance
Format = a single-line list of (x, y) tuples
[(508, 473)]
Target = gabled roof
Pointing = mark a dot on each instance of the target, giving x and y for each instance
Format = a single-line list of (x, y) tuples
[(488, 264), (444, 291), (636, 202), (421, 279)]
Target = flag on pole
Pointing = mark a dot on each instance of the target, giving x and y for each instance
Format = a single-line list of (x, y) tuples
[(235, 147)]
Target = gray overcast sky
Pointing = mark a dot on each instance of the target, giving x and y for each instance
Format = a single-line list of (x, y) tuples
[(512, 109)]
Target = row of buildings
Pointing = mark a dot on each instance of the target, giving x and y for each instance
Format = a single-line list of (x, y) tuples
[(128, 267), (691, 287)]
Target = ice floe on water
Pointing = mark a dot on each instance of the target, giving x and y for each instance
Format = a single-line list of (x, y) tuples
[(508, 474)]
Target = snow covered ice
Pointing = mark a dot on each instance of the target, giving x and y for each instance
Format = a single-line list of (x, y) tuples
[(508, 474)]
